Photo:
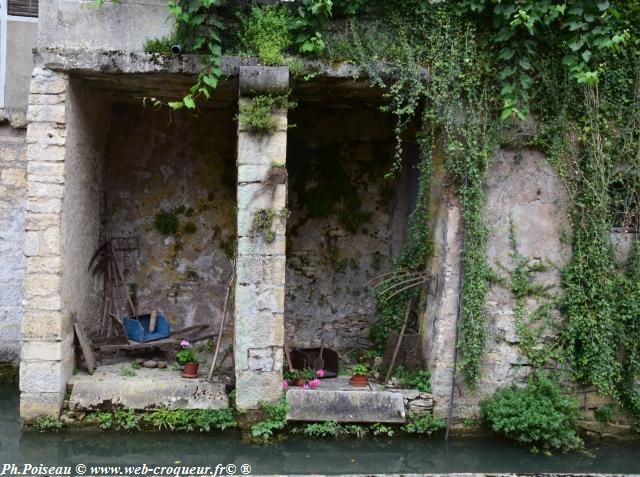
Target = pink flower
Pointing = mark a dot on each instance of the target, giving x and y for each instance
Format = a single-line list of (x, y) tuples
[(306, 386), (284, 384), (320, 373), (314, 383), (184, 343)]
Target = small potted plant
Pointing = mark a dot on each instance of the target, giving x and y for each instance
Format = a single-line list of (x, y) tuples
[(188, 359), (300, 377), (360, 376)]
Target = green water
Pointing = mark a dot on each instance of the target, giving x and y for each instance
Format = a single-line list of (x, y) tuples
[(297, 455)]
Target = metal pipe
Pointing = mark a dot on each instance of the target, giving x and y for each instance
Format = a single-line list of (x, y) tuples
[(176, 49), (458, 314)]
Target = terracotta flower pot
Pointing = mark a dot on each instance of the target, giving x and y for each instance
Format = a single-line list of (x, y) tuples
[(359, 380), (190, 370), (300, 382)]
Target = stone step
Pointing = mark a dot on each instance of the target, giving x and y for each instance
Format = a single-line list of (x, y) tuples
[(149, 389), (345, 405)]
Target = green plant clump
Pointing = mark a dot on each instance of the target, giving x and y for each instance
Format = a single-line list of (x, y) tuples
[(258, 114), (166, 222), (420, 380), (161, 46), (118, 420), (604, 413), (423, 424), (267, 33), (360, 370), (538, 415), (46, 423), (202, 420), (275, 422), (263, 224)]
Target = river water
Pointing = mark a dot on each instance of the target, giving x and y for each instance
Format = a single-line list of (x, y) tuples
[(297, 455)]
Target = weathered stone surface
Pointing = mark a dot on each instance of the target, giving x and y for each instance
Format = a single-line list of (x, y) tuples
[(260, 266), (47, 350), (256, 80), (45, 376), (36, 404), (255, 387), (152, 389), (409, 394), (345, 406), (45, 325), (12, 237), (421, 405), (262, 149)]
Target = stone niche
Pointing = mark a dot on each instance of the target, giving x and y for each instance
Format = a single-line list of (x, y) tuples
[(346, 221), (161, 168)]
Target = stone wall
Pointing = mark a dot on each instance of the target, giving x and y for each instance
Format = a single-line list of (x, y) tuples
[(122, 25), (523, 187), (347, 221), (83, 192), (183, 165), (13, 181)]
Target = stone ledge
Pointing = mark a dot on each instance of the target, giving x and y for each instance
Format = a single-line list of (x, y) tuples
[(345, 406), (153, 391)]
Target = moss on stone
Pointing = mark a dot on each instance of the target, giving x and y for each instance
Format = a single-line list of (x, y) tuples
[(8, 373)]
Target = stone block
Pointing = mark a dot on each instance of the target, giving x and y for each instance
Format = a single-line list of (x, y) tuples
[(49, 113), (41, 284), (31, 243), (35, 221), (51, 239), (48, 303), (45, 142), (44, 205), (47, 350), (265, 359), (48, 171), (46, 190), (44, 265), (409, 394), (259, 246), (253, 197), (254, 80), (345, 406), (112, 391), (45, 325), (254, 269), (45, 376), (251, 173), (258, 331), (45, 81), (421, 405), (36, 404), (255, 387), (15, 177), (251, 299), (262, 150), (47, 99)]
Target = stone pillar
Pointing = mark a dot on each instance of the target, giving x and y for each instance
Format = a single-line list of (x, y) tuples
[(260, 266), (47, 347)]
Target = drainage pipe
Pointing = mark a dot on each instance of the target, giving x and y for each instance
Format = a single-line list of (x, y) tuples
[(458, 314)]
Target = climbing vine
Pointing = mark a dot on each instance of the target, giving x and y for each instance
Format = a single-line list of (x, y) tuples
[(457, 75)]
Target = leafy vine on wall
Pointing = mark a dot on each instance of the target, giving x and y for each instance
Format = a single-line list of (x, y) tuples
[(468, 70)]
